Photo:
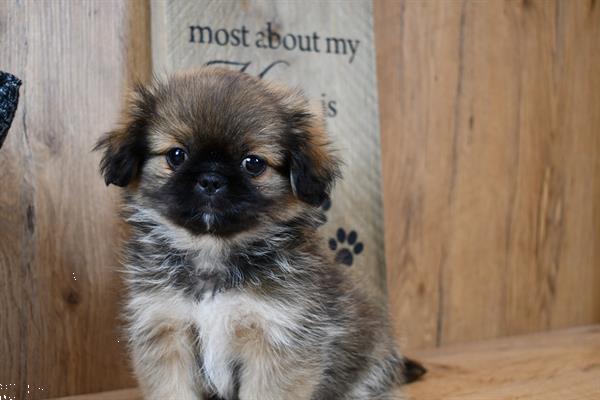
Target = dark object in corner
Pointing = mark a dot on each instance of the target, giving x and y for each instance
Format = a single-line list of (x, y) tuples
[(9, 98), (413, 370)]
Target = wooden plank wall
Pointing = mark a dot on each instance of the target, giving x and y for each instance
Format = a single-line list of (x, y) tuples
[(490, 117), (58, 286)]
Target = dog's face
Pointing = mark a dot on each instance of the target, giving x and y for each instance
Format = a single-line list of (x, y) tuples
[(220, 152)]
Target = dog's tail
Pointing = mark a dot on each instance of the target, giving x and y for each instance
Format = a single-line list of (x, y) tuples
[(412, 370)]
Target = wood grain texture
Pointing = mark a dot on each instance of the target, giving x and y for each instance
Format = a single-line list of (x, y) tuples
[(491, 140), (58, 286), (562, 365), (125, 394)]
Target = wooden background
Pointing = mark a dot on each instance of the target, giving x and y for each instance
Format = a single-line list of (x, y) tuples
[(490, 117), (58, 229)]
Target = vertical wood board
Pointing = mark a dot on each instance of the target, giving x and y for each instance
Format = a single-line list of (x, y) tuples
[(59, 288), (490, 116)]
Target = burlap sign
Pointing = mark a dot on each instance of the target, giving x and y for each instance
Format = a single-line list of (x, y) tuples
[(327, 49)]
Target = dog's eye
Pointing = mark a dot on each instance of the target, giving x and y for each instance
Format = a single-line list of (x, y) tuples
[(176, 157), (254, 165)]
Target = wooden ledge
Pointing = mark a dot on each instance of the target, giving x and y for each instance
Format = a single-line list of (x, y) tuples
[(563, 365), (125, 394)]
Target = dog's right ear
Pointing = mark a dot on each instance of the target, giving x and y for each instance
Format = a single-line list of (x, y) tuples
[(126, 148)]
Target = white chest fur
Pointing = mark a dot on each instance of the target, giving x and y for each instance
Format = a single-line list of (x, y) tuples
[(238, 328), (235, 328)]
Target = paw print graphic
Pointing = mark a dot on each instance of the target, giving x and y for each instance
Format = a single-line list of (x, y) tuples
[(345, 255)]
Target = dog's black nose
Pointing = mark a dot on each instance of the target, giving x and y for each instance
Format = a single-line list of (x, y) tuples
[(211, 183)]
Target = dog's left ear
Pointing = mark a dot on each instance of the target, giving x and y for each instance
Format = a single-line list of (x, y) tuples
[(313, 164), (125, 148)]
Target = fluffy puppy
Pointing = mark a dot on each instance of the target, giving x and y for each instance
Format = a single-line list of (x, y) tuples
[(230, 295)]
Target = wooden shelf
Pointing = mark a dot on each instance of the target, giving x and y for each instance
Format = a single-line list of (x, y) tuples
[(561, 365), (125, 394)]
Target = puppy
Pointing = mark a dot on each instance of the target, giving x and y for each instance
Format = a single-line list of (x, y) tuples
[(230, 294)]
